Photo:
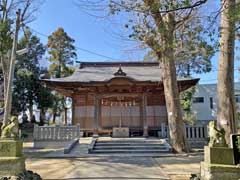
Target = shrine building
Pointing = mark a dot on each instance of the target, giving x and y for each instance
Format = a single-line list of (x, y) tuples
[(117, 94)]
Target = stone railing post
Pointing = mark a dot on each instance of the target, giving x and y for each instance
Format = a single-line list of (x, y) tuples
[(78, 131), (163, 130), (35, 132), (56, 131)]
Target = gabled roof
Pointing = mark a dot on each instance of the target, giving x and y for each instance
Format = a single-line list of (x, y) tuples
[(105, 71)]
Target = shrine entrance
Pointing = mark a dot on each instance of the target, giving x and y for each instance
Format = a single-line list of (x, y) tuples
[(122, 112)]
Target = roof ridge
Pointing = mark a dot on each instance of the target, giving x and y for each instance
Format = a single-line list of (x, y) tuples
[(117, 64)]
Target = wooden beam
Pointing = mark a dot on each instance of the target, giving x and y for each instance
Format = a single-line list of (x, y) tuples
[(144, 115), (96, 114)]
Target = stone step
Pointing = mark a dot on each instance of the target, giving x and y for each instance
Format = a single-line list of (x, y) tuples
[(131, 141), (129, 151), (130, 147), (128, 144), (142, 142)]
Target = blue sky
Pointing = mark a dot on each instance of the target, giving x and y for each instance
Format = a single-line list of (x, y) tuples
[(96, 35)]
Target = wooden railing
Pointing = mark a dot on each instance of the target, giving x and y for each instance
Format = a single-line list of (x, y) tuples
[(56, 133)]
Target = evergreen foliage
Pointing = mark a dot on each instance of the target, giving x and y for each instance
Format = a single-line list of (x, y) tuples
[(27, 86), (62, 54)]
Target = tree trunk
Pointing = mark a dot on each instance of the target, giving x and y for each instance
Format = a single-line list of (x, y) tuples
[(65, 115), (5, 68), (54, 117), (168, 72), (31, 113), (225, 89), (42, 117)]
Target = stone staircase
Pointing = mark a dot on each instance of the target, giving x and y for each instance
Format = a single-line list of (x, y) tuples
[(130, 146)]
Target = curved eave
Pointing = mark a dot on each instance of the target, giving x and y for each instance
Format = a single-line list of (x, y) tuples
[(93, 83), (183, 84)]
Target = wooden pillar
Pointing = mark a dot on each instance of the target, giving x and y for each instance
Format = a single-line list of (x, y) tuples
[(100, 114), (96, 115), (144, 115), (73, 111)]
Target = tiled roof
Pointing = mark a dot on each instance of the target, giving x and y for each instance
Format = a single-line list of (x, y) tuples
[(104, 71)]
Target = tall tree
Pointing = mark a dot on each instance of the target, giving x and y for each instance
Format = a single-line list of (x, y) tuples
[(27, 74), (159, 24), (226, 103), (7, 11), (8, 49), (62, 53)]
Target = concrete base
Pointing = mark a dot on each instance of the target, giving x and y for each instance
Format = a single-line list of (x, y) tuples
[(219, 171), (218, 155), (120, 132), (10, 148), (12, 163), (11, 166)]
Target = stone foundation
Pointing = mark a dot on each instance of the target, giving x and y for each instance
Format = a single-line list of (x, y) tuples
[(219, 172), (10, 148), (218, 155), (219, 164), (12, 162), (50, 144)]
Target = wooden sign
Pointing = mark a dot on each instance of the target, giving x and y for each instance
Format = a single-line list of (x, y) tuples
[(235, 144)]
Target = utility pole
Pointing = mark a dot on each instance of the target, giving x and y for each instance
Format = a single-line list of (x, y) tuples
[(8, 98)]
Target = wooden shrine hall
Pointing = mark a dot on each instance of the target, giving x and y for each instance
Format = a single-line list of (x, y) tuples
[(106, 95)]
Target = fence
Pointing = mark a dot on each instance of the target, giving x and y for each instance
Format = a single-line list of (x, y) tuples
[(196, 132), (56, 133), (197, 135)]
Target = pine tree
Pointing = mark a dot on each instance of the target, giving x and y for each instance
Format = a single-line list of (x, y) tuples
[(62, 53)]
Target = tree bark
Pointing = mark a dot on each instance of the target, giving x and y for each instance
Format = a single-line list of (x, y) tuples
[(168, 73), (65, 115), (225, 89), (42, 116), (5, 59), (165, 52), (31, 113), (54, 117)]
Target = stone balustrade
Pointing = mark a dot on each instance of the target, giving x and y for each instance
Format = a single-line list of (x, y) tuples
[(56, 133), (55, 136)]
